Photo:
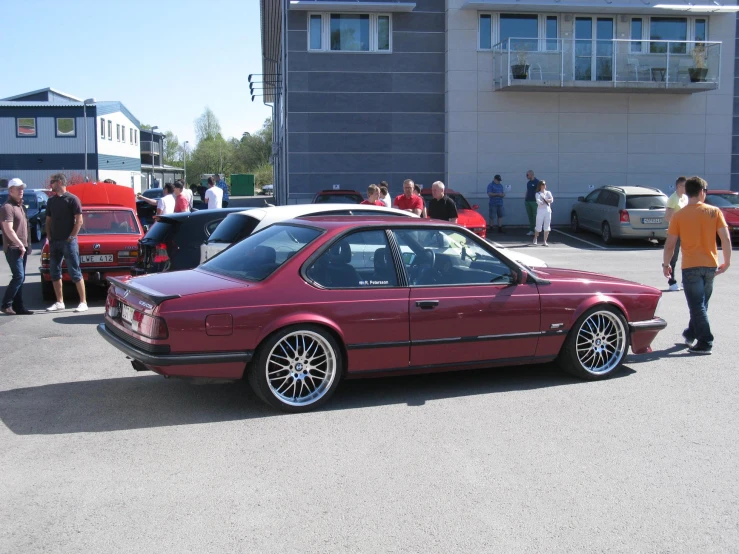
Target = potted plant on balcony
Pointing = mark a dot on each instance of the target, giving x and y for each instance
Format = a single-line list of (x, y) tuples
[(699, 71), (520, 70)]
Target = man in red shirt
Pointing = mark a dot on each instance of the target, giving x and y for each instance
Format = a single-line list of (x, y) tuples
[(181, 203), (408, 201), (373, 196)]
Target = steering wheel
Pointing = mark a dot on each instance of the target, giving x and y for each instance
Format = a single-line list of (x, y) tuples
[(422, 264)]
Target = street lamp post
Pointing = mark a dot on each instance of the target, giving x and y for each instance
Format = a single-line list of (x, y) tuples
[(84, 113), (152, 152), (184, 147)]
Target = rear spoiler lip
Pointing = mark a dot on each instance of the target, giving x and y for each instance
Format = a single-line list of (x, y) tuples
[(154, 296)]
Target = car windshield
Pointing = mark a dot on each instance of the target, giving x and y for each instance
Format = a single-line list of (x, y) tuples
[(109, 222), (459, 200), (646, 202), (723, 200), (339, 199), (259, 255), (152, 193), (234, 228)]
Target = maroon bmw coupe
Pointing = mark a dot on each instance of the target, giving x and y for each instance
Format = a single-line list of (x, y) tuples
[(300, 305)]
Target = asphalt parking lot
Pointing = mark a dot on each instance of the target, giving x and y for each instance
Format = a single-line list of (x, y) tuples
[(98, 458)]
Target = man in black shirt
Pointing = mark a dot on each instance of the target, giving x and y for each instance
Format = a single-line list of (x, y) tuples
[(441, 206)]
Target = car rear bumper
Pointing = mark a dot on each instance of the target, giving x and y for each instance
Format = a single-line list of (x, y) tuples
[(643, 333), (91, 274), (628, 232)]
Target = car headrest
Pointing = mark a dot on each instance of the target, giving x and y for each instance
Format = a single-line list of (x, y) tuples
[(264, 255), (340, 253), (381, 259)]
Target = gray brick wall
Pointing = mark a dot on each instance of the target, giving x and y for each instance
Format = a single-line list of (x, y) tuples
[(356, 119)]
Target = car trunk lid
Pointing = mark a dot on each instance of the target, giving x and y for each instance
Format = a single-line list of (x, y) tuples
[(645, 211)]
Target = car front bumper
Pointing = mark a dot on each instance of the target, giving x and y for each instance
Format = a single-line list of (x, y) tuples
[(643, 333)]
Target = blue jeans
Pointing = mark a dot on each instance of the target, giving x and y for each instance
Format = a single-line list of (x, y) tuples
[(70, 251), (698, 286), (14, 293)]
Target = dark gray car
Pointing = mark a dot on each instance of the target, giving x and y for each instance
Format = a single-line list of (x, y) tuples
[(622, 213)]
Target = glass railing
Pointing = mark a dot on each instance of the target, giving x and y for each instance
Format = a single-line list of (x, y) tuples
[(149, 147), (634, 63)]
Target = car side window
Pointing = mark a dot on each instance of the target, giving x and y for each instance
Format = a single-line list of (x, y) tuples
[(446, 257), (592, 198), (359, 260), (211, 226)]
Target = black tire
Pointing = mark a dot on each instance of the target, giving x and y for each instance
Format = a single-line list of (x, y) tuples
[(574, 223), (47, 290), (36, 233), (296, 372), (605, 233), (589, 344)]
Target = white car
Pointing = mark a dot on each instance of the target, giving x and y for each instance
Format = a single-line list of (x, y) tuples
[(240, 225)]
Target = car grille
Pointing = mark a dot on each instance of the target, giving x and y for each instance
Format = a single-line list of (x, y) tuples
[(141, 345)]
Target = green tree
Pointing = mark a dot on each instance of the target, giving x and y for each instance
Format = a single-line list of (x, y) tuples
[(172, 150), (207, 126)]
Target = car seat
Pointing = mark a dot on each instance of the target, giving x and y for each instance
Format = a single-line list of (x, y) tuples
[(384, 267), (264, 259), (340, 272)]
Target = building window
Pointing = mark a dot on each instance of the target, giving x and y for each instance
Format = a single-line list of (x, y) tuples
[(637, 30), (110, 130), (130, 132), (118, 132), (701, 30), (65, 127), (102, 129), (668, 28), (136, 136), (123, 134), (25, 126), (526, 32), (349, 32)]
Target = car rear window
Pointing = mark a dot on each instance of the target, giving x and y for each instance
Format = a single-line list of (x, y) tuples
[(338, 199), (161, 230), (234, 228), (259, 255), (646, 202), (109, 222)]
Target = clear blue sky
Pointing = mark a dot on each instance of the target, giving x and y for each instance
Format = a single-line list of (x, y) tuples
[(165, 60)]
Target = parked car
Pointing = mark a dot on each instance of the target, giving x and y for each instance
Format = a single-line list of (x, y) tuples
[(622, 213), (330, 196), (174, 241), (240, 225), (146, 211), (109, 237), (35, 202), (728, 202), (268, 190), (468, 215), (295, 309)]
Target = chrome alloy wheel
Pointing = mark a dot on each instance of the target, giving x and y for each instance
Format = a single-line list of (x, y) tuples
[(301, 368), (601, 342)]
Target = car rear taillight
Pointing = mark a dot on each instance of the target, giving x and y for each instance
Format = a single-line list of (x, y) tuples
[(45, 257), (112, 305), (160, 254), (127, 254), (149, 325), (624, 216)]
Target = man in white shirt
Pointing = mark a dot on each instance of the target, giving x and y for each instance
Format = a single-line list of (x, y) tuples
[(214, 195), (675, 203), (165, 204), (187, 193)]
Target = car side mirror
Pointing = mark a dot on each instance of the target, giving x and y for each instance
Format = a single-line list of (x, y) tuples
[(581, 199), (476, 207), (523, 277)]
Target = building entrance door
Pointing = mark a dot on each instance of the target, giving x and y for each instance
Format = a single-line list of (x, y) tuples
[(594, 48)]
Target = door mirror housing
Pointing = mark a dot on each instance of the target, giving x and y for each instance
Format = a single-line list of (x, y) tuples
[(581, 199), (523, 277)]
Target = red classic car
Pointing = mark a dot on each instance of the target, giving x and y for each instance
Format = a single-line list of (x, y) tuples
[(302, 304), (468, 216), (109, 237), (728, 202)]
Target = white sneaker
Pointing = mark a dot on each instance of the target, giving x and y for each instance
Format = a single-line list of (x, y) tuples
[(57, 307), (545, 244), (81, 308), (530, 234), (534, 242), (675, 287)]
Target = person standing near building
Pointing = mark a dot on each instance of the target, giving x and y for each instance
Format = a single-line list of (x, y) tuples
[(544, 201), (15, 247), (63, 223), (442, 206), (496, 193), (373, 196), (180, 200), (530, 200), (385, 194), (696, 225), (675, 203), (224, 188), (408, 201), (214, 195), (187, 193)]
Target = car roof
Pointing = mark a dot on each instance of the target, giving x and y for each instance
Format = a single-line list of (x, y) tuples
[(291, 211), (635, 189), (339, 191), (381, 221), (446, 191), (201, 214), (709, 191)]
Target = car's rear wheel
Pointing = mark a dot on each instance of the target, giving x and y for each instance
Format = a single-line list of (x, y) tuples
[(574, 223), (297, 369), (605, 233), (596, 346), (47, 290)]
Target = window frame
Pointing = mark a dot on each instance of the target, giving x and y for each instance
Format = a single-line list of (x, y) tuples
[(74, 127), (118, 132), (110, 130), (18, 134), (646, 38), (123, 134), (541, 39), (102, 128), (326, 33)]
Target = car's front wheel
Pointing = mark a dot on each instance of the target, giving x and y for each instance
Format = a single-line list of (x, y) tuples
[(596, 346), (297, 369)]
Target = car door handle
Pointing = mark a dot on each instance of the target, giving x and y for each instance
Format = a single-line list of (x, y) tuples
[(427, 304)]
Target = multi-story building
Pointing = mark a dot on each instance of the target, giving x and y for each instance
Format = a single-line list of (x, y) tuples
[(584, 92), (46, 131), (153, 169)]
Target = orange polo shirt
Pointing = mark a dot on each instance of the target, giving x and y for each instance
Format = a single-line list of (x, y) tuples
[(697, 226)]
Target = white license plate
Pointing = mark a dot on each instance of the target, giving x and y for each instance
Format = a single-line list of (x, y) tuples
[(97, 259), (651, 220), (127, 313)]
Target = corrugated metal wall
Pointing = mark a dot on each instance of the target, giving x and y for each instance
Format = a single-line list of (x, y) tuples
[(46, 141)]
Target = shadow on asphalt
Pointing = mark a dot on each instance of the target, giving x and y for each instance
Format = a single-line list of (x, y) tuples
[(678, 350), (77, 319), (146, 401)]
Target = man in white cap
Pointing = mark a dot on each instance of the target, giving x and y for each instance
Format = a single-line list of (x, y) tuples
[(15, 247)]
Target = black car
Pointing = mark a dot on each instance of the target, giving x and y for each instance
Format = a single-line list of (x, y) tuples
[(35, 202), (173, 242), (146, 211)]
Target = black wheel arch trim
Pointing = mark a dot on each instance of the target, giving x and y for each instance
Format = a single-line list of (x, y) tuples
[(656, 324)]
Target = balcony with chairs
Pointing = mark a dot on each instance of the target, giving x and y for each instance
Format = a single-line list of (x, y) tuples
[(649, 66)]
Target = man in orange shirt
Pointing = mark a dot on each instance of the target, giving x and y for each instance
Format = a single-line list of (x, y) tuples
[(696, 225)]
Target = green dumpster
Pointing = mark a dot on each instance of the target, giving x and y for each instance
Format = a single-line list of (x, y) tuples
[(242, 184)]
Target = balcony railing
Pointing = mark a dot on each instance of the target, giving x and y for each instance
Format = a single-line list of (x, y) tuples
[(149, 147), (625, 65)]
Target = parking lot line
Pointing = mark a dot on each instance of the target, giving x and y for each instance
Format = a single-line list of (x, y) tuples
[(578, 238)]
